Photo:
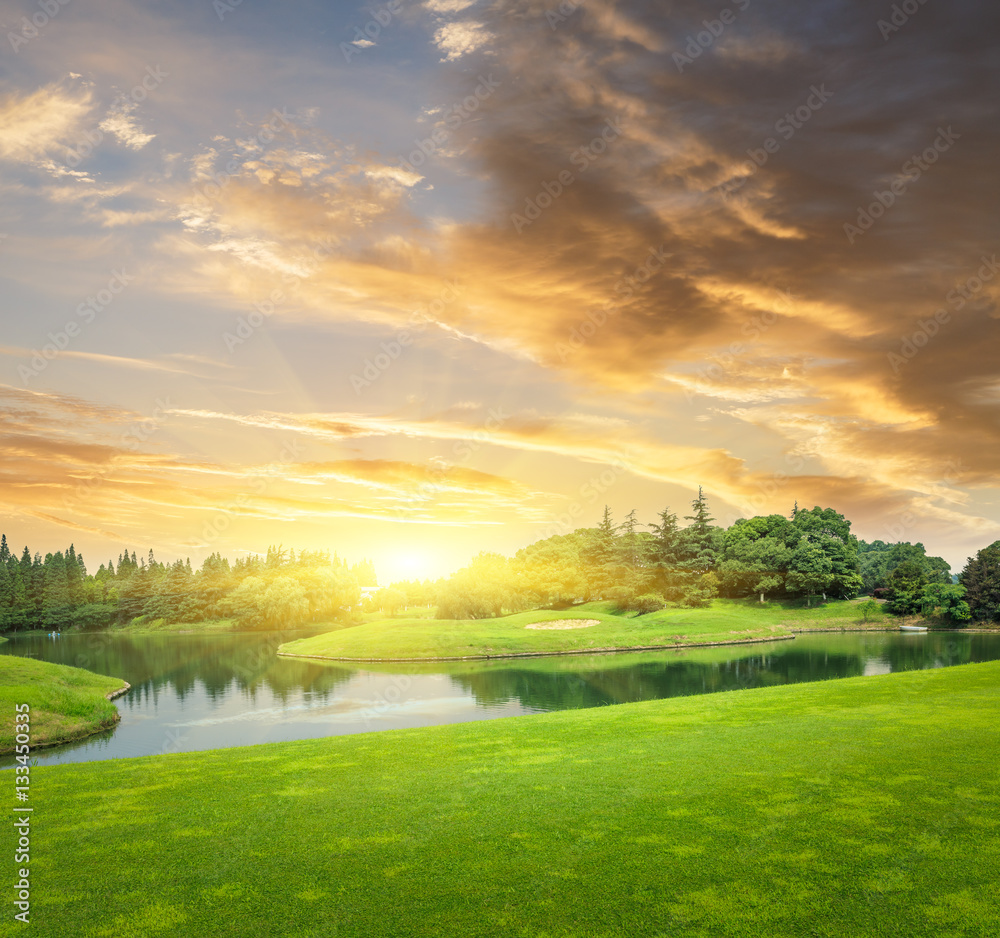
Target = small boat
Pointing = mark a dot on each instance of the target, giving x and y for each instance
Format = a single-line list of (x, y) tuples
[(913, 628)]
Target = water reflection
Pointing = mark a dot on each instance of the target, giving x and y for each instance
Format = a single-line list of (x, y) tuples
[(201, 691), (572, 682)]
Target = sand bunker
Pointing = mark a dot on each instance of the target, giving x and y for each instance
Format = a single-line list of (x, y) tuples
[(564, 624)]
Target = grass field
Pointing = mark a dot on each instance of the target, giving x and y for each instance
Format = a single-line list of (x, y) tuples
[(726, 620), (66, 703), (861, 807)]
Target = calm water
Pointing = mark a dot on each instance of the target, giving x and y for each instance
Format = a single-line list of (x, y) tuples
[(207, 691)]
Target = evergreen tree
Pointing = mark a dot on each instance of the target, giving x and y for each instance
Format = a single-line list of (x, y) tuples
[(981, 579), (171, 598), (629, 541), (666, 540), (6, 596), (700, 554), (602, 562), (35, 588), (4, 549), (76, 574), (56, 607)]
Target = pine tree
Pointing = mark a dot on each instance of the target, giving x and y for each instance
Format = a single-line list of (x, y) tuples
[(630, 547), (981, 579), (701, 517), (6, 593), (18, 597), (35, 588), (699, 553), (666, 539), (606, 532), (55, 591), (75, 575), (4, 549)]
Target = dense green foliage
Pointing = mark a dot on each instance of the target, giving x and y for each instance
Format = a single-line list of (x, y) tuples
[(857, 807), (65, 703), (879, 560), (981, 580), (812, 553), (256, 592)]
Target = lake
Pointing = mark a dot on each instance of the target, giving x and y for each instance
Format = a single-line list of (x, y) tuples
[(205, 691)]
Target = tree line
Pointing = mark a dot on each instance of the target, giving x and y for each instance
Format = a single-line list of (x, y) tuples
[(809, 554), (278, 589)]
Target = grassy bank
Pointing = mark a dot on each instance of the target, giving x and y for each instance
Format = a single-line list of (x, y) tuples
[(846, 808), (66, 703), (143, 624), (725, 620)]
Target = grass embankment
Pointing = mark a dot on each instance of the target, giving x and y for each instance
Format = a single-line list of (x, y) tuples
[(860, 807), (726, 620), (142, 625), (66, 703)]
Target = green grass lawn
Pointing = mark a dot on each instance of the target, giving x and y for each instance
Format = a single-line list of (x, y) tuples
[(726, 620), (66, 703), (848, 809)]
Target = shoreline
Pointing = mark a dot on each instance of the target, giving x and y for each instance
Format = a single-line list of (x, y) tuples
[(62, 741), (551, 654), (610, 651)]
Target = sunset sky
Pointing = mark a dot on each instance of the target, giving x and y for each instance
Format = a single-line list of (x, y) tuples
[(417, 279)]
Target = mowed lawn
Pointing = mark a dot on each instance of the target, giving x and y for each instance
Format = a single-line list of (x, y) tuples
[(66, 703), (726, 620), (861, 807)]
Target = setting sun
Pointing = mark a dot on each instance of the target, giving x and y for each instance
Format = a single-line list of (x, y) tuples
[(411, 565)]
